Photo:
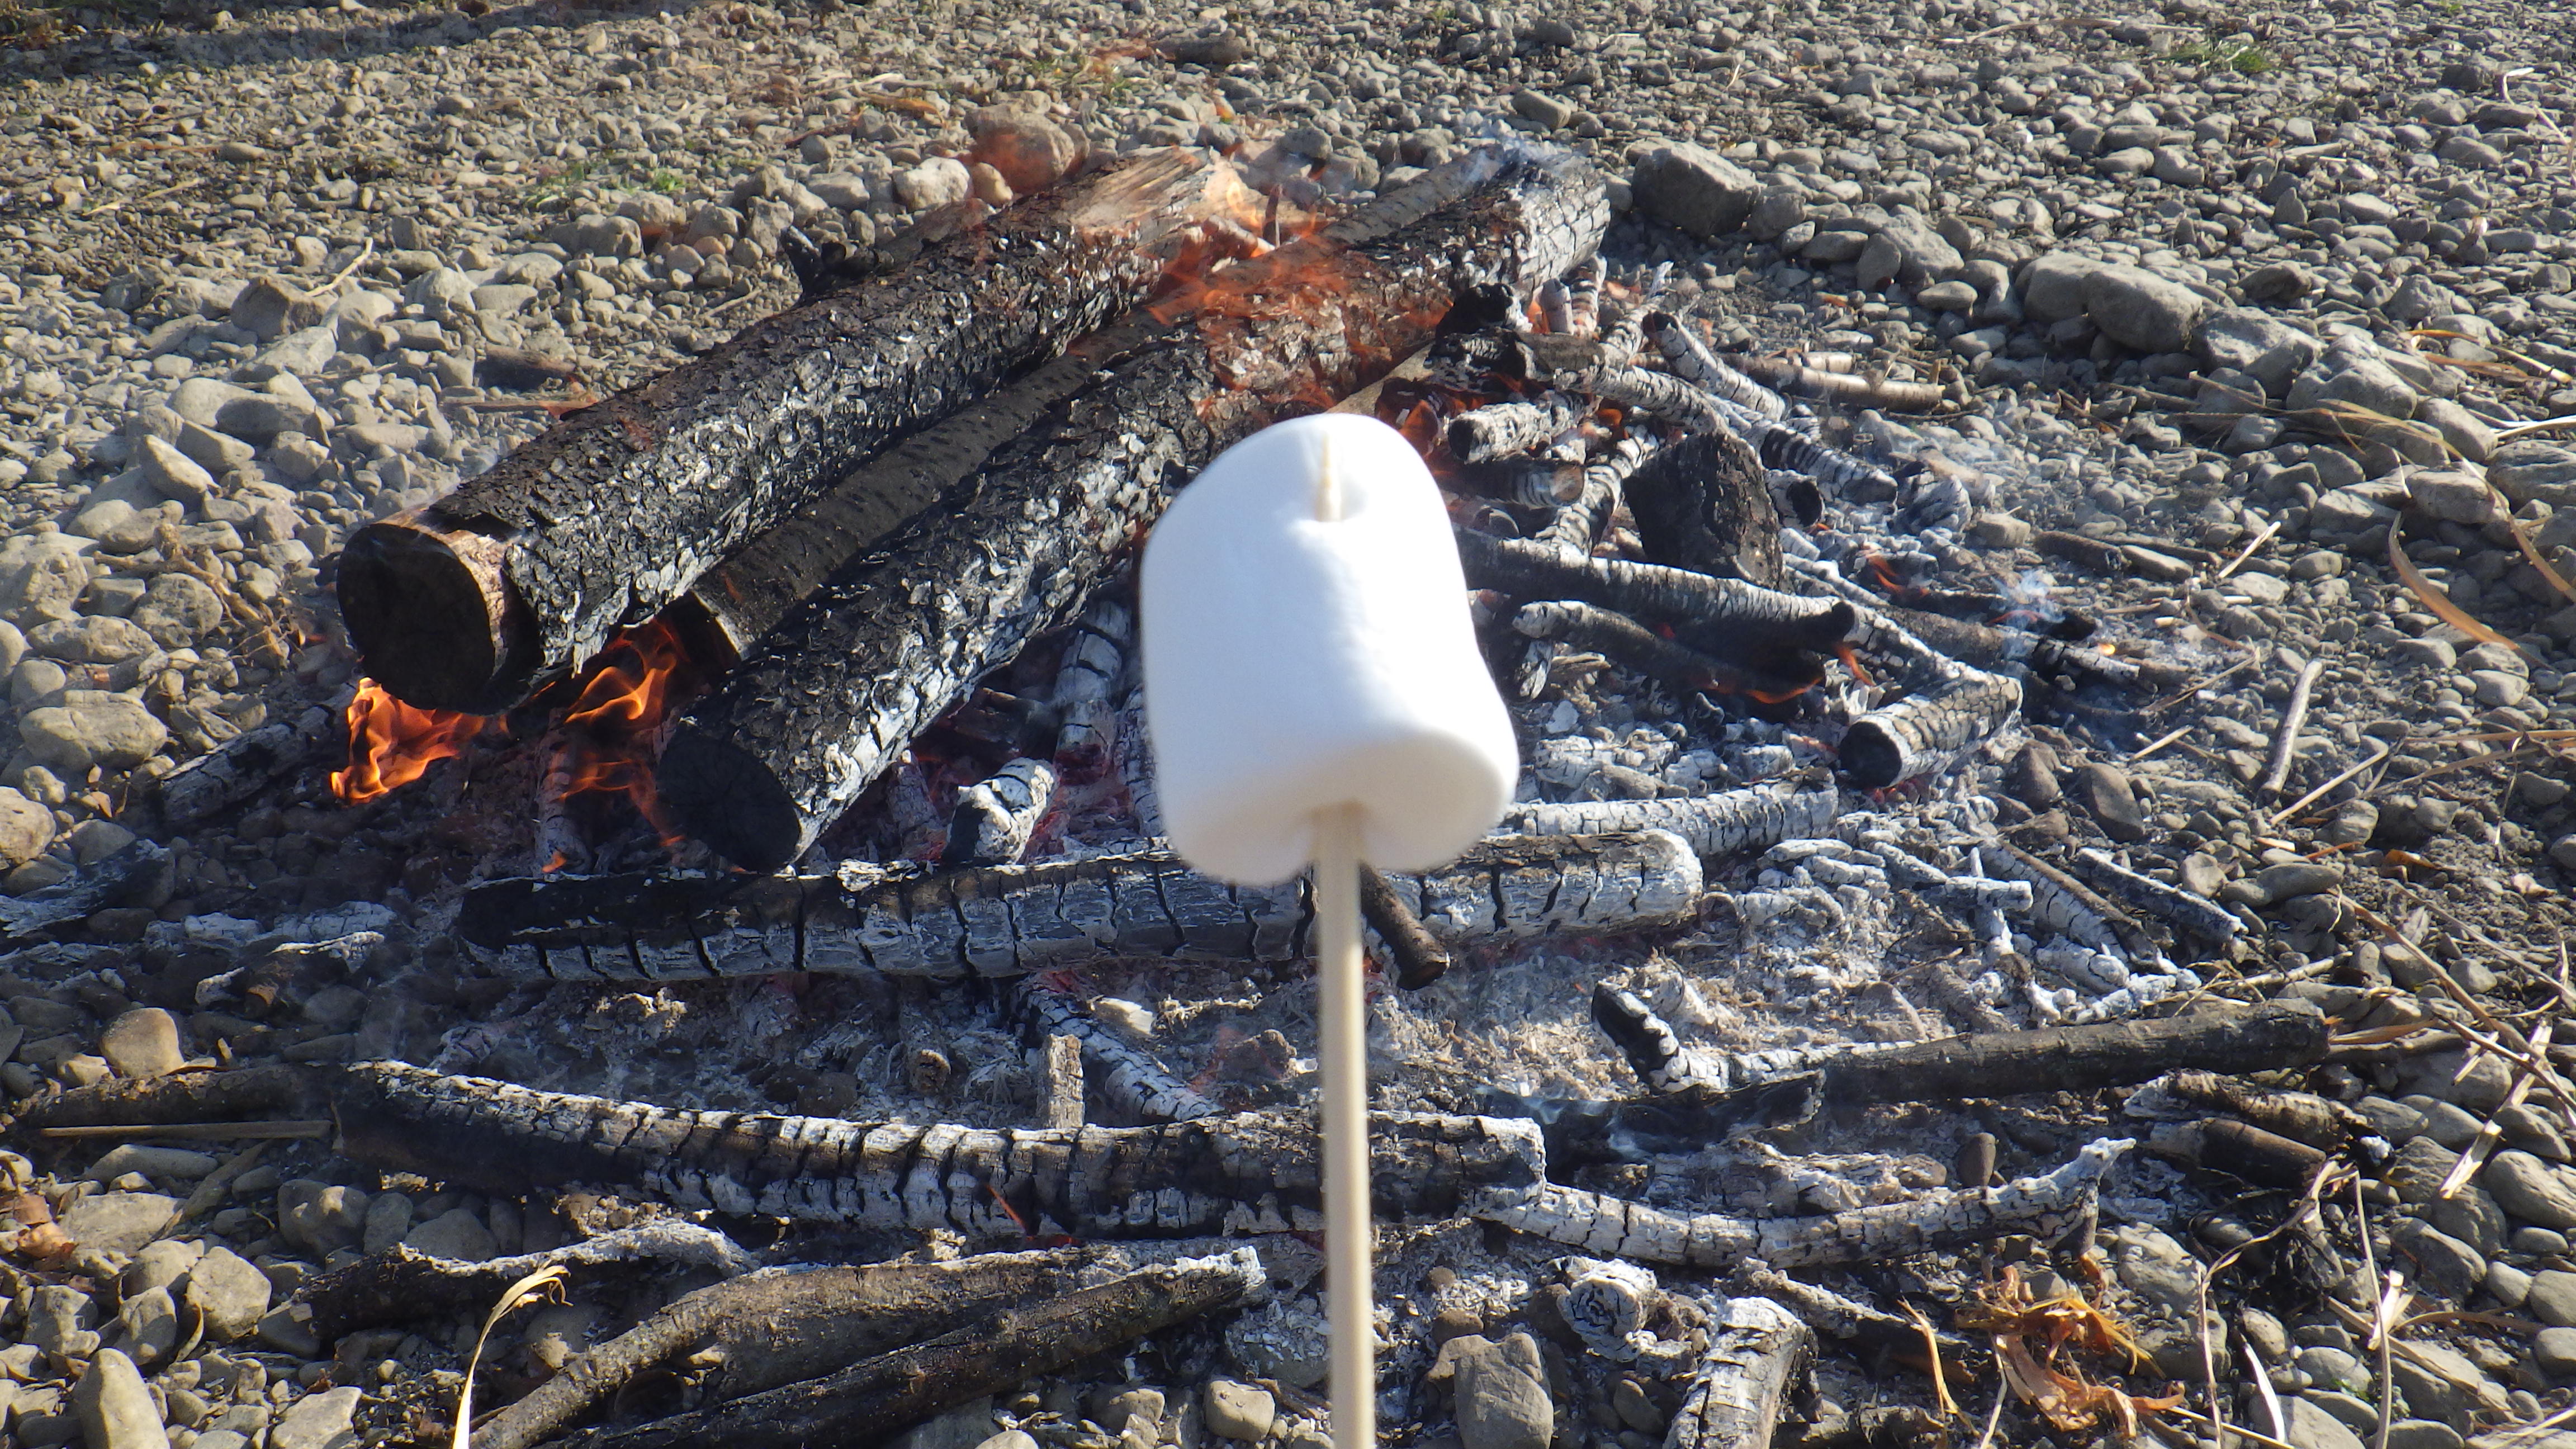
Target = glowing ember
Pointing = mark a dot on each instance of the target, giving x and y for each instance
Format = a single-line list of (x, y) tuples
[(392, 744), (612, 735)]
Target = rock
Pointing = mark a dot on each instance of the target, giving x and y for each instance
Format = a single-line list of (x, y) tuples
[(97, 639), (271, 307), (1695, 190), (939, 181), (2053, 286), (91, 727), (2416, 1172), (2443, 1264), (2310, 1427), (1545, 110), (114, 1407), (172, 473), (456, 1234), (161, 1264), (2278, 883), (2465, 431), (2461, 498), (228, 1292), (1780, 208), (388, 1218), (2105, 793), (2277, 282), (2255, 343), (143, 1042), (321, 1217), (147, 1325), (305, 350), (2552, 1298), (178, 610), (1238, 1411), (262, 417), (1129, 1409), (26, 828), (2363, 382), (54, 1314), (2000, 530), (1947, 297), (2450, 1389), (2555, 1352), (1502, 1393), (2531, 1189), (119, 1222), (317, 1421), (2139, 309)]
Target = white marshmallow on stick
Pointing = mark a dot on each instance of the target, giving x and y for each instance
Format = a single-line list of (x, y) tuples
[(1314, 692)]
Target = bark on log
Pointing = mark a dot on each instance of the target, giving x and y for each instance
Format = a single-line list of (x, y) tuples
[(1011, 920), (2043, 1207), (779, 1326), (877, 1398), (610, 515), (403, 1283), (1691, 360), (1730, 823), (761, 766), (1702, 504), (1727, 618), (1131, 1079), (1758, 1354), (1246, 1174)]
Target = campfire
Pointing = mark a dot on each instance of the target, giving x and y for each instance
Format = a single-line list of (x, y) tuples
[(815, 656)]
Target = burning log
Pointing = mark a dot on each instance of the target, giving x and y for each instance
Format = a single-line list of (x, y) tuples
[(757, 769), (876, 1398), (1012, 920), (1758, 1355), (778, 1326), (1729, 823), (610, 515), (1925, 732), (1130, 1078), (2042, 1207), (1702, 504), (1630, 645), (1253, 1173), (1719, 616)]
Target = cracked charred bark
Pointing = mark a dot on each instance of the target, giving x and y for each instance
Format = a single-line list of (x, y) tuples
[(891, 642), (1702, 504), (610, 515), (1733, 620), (1015, 919)]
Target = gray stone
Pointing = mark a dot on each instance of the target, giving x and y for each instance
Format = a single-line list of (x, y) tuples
[(2362, 382), (1239, 1411), (54, 1315), (2450, 1389), (119, 1222), (2531, 1190), (1780, 208), (219, 454), (91, 727), (317, 1421), (147, 1325), (1947, 297), (456, 1234), (261, 417), (2443, 1264), (1546, 110), (388, 1218), (2461, 498), (172, 473), (26, 828), (143, 1042), (114, 1407), (2355, 1413), (178, 610), (2139, 309), (2422, 1434), (2465, 431), (304, 350), (97, 639), (1694, 189), (2334, 1369), (321, 1217), (2552, 1298), (2052, 286), (2256, 343), (229, 1292), (2418, 1168), (95, 840), (2472, 1216), (2554, 1350), (939, 181), (1502, 1393), (271, 307), (161, 1264), (2310, 1426)]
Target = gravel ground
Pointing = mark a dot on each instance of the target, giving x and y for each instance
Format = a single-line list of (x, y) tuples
[(2208, 278)]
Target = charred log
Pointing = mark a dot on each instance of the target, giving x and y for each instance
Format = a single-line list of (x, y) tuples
[(1758, 1358), (1131, 1079), (1012, 920), (1702, 504), (760, 767), (1730, 823), (1630, 645), (610, 515), (1927, 731), (1727, 618)]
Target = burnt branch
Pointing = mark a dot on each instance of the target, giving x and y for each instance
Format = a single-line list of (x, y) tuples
[(1632, 646), (1012, 920), (1927, 731), (758, 768), (1690, 359), (1714, 614), (1131, 1079), (1500, 430), (1418, 956), (404, 1283), (1758, 1356), (1730, 823), (2194, 913)]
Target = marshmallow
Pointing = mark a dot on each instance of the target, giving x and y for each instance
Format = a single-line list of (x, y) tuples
[(1307, 645)]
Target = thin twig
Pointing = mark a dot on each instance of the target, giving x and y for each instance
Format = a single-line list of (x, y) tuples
[(2381, 1334), (201, 1131), (2348, 772), (2261, 537), (2285, 745)]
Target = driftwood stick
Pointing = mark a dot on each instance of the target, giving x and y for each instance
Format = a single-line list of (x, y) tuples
[(1418, 956), (2300, 1116), (404, 1283), (184, 1096), (876, 1398), (2193, 913), (2294, 718), (2043, 1207), (1758, 1354), (778, 1326), (2107, 1054)]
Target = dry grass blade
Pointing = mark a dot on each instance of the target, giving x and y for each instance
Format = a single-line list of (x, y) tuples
[(1932, 1348), (2530, 551), (2438, 602), (2261, 1378), (2534, 429), (2030, 1334), (542, 1283), (2491, 1131)]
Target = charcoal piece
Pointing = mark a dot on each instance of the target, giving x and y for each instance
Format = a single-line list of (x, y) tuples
[(526, 571), (1702, 504), (1727, 618), (1249, 1173), (2062, 903), (94, 887), (1011, 920), (1417, 956), (1630, 645), (996, 816), (1500, 430), (1925, 732), (1086, 685), (248, 762), (1581, 1133), (758, 768)]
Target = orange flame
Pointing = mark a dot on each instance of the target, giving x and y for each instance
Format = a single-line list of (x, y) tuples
[(392, 744), (613, 732)]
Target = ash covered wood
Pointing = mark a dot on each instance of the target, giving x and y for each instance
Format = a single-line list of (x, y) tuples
[(1928, 730), (760, 767), (1010, 920), (606, 518), (1730, 823)]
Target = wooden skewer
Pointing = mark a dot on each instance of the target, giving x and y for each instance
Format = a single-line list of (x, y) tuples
[(200, 1131), (1344, 1059)]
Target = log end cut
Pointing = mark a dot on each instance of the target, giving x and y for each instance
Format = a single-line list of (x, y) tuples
[(1871, 757), (433, 616), (728, 796)]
